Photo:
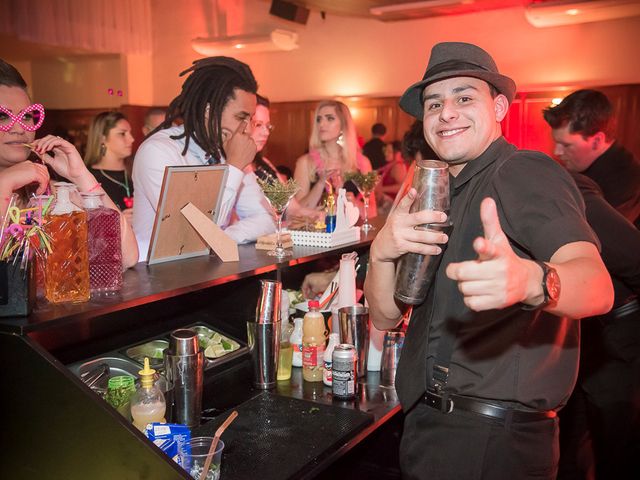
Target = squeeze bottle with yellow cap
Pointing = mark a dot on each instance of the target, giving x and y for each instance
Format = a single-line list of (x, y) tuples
[(147, 404)]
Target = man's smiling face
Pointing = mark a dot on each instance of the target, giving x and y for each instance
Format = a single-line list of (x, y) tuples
[(461, 118)]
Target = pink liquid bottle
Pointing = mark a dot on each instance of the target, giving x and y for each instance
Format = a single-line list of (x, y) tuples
[(105, 250)]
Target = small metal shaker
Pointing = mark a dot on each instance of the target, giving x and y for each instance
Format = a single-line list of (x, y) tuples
[(414, 272), (184, 366), (393, 342), (263, 335), (354, 329)]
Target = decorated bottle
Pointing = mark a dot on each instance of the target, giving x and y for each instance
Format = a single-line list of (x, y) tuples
[(105, 249), (314, 339), (66, 273)]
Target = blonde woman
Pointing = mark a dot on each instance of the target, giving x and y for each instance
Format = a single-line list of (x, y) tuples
[(109, 143), (333, 151)]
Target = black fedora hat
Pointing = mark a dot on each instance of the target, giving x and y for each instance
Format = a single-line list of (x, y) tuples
[(456, 59)]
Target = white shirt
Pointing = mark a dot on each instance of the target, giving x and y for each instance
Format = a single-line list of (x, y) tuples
[(242, 195)]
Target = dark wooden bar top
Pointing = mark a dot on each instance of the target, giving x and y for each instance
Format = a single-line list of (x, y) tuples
[(144, 284)]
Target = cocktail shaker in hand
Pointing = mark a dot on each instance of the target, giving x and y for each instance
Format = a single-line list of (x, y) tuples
[(184, 366), (415, 272), (263, 335)]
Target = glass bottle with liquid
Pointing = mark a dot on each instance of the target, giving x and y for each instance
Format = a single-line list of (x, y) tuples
[(105, 250), (147, 404), (296, 342), (66, 273), (285, 357), (314, 339)]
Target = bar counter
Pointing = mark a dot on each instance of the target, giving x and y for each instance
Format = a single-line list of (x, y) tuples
[(46, 399)]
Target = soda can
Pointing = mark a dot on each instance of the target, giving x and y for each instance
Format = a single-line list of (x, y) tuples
[(344, 372)]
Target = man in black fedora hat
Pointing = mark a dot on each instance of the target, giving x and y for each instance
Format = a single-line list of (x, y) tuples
[(492, 352)]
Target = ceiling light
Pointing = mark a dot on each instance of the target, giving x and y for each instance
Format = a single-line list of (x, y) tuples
[(413, 6), (553, 13), (277, 40)]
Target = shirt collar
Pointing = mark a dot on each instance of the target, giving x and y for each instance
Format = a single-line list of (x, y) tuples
[(602, 164), (194, 149), (498, 148)]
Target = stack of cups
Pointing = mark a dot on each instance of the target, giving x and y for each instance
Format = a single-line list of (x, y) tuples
[(346, 289), (263, 335)]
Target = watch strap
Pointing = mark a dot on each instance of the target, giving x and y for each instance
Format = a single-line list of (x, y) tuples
[(545, 292)]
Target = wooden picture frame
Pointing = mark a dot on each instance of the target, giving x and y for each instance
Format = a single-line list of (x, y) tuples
[(173, 237)]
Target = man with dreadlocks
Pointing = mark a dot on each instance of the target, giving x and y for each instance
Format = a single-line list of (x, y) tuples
[(217, 101)]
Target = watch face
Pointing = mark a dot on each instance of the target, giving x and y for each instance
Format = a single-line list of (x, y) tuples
[(553, 284)]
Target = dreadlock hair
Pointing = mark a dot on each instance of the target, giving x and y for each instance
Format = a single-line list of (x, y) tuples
[(205, 92)]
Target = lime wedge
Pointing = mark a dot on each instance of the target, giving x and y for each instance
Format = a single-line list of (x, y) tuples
[(216, 338), (214, 350)]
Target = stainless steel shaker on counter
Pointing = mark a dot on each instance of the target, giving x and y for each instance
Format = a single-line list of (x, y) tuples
[(184, 366), (263, 335)]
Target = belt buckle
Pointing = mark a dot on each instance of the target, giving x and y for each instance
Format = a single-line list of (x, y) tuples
[(442, 403)]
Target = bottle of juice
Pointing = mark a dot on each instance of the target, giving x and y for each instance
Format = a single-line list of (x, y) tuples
[(314, 339), (296, 342), (66, 273), (285, 356), (148, 403), (105, 251)]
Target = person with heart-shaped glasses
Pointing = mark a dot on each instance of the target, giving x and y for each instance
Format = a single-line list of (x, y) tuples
[(19, 120), (29, 118)]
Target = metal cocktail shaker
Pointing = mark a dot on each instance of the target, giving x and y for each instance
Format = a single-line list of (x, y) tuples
[(414, 272), (184, 366), (263, 335), (393, 342), (354, 329)]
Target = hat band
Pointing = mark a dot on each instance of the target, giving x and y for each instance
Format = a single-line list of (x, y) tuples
[(452, 66)]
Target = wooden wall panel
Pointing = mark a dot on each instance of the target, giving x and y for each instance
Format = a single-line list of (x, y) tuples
[(293, 121), (523, 126)]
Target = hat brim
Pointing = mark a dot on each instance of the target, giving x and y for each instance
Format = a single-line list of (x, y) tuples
[(411, 100)]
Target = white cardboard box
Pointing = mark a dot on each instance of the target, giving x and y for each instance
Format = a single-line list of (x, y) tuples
[(323, 239)]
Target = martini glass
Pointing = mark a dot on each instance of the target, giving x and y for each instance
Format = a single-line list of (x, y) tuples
[(279, 196), (366, 183)]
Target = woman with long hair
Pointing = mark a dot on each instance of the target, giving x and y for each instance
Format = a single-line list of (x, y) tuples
[(333, 151), (109, 143)]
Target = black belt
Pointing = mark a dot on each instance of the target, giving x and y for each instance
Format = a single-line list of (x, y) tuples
[(456, 402), (625, 309)]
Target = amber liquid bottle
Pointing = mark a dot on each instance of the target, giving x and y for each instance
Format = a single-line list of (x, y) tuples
[(66, 274)]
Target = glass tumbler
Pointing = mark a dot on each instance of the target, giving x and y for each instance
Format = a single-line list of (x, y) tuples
[(194, 455)]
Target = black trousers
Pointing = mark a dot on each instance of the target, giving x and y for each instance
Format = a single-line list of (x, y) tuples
[(600, 426), (467, 446)]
